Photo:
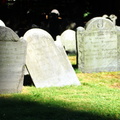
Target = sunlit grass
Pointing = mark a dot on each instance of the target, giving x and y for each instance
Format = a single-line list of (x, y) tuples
[(72, 59), (98, 98), (111, 79)]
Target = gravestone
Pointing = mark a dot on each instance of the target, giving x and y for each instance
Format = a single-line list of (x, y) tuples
[(68, 40), (79, 42), (47, 64), (97, 46), (118, 45), (12, 61), (2, 23), (58, 42)]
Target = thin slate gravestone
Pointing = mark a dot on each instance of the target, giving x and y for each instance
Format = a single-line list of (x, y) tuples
[(47, 64), (97, 46), (118, 45), (68, 40), (12, 61)]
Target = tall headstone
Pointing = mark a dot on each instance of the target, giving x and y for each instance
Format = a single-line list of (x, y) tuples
[(79, 42), (47, 63), (12, 61), (97, 46), (68, 39)]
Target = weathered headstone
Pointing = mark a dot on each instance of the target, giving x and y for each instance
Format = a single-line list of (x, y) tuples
[(12, 61), (68, 40), (47, 64), (97, 46)]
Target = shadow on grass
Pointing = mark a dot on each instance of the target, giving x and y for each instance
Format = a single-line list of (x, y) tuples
[(26, 108), (28, 81), (75, 66)]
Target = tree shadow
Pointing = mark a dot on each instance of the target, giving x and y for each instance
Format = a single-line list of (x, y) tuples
[(24, 107)]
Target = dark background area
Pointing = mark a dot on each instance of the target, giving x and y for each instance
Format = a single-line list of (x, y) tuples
[(22, 14)]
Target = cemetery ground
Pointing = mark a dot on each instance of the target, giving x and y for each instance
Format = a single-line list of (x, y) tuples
[(98, 98)]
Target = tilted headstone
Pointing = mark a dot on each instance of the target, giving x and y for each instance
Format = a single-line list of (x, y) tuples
[(12, 61), (47, 64), (68, 39), (97, 46)]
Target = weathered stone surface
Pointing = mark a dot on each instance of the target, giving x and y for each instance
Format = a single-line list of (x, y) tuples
[(12, 61), (48, 64), (97, 46), (7, 34)]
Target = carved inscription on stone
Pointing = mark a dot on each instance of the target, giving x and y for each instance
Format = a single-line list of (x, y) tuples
[(101, 52), (97, 50)]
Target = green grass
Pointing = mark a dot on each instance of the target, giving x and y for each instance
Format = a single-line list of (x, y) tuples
[(98, 98)]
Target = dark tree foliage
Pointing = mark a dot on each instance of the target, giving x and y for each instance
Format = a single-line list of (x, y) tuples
[(19, 14)]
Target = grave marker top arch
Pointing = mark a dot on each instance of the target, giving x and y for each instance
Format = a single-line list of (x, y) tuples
[(99, 23)]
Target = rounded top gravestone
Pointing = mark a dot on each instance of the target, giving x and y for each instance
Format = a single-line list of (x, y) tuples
[(68, 40), (80, 28), (34, 33), (7, 34), (68, 34), (2, 23), (100, 23)]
